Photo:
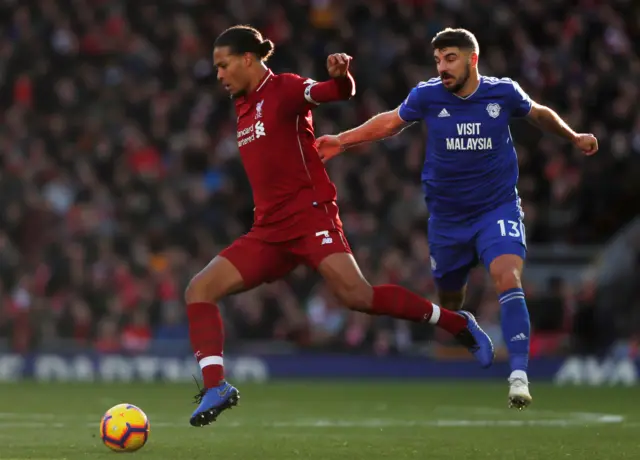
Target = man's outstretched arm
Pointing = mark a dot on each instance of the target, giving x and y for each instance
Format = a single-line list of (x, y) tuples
[(550, 121), (379, 127)]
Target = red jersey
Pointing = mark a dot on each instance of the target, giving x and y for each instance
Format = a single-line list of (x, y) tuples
[(276, 142)]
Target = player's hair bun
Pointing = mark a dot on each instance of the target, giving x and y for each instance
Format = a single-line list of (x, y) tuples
[(245, 39), (265, 49)]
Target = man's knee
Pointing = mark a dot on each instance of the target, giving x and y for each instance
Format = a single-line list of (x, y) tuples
[(344, 278), (506, 272), (217, 280), (355, 295), (507, 279), (202, 288)]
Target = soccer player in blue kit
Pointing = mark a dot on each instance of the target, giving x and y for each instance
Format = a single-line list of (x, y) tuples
[(469, 179)]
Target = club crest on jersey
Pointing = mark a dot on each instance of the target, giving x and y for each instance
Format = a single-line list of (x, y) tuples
[(493, 110), (259, 109)]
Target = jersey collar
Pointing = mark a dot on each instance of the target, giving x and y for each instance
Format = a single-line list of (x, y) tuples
[(266, 77), (251, 97), (480, 80)]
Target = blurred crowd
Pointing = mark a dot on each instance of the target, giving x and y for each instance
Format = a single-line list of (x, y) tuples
[(119, 174)]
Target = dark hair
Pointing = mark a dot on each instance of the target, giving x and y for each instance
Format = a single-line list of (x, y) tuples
[(460, 38), (245, 39)]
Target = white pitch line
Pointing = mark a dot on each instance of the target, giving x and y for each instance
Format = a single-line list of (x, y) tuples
[(547, 418), (30, 425), (26, 416), (483, 410), (372, 424), (578, 416)]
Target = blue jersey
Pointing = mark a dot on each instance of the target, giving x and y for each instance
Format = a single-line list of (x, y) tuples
[(470, 166)]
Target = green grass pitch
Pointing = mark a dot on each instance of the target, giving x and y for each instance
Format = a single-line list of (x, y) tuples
[(327, 421)]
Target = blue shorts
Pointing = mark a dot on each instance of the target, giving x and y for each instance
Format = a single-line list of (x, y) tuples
[(457, 248)]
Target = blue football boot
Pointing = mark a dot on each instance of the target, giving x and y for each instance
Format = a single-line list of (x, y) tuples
[(212, 402), (476, 341)]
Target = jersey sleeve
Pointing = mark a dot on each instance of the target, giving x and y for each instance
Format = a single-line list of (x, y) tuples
[(412, 109), (295, 89), (303, 94), (520, 102)]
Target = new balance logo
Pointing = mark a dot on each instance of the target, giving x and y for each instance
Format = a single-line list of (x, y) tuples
[(519, 337), (443, 113), (326, 238)]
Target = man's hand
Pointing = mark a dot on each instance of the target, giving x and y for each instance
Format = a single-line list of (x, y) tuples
[(587, 143), (328, 147), (338, 64)]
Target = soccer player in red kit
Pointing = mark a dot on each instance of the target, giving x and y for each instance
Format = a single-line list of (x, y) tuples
[(296, 216)]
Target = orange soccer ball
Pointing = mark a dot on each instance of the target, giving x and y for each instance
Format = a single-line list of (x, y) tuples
[(124, 428)]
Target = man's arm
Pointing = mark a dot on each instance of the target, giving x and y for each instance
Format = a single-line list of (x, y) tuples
[(389, 123), (336, 89), (300, 94), (303, 94), (383, 125), (379, 127), (548, 120)]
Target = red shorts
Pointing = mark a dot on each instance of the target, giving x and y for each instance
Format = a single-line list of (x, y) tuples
[(260, 260)]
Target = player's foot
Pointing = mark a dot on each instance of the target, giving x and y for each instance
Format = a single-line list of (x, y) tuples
[(476, 341), (212, 402), (519, 396)]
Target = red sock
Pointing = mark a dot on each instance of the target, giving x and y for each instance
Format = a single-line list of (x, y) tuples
[(398, 302), (206, 333)]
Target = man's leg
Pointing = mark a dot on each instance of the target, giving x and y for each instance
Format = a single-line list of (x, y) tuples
[(206, 331), (452, 283), (501, 245), (506, 271), (452, 300), (245, 264), (453, 255), (330, 255)]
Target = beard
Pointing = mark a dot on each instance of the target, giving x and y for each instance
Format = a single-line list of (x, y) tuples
[(460, 82)]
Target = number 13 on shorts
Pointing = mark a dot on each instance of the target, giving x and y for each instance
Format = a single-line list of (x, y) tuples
[(501, 232), (512, 228)]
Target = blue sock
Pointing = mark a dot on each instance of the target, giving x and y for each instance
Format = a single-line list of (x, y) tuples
[(516, 328)]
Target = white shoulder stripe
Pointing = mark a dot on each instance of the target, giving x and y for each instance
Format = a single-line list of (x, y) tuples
[(430, 82), (498, 81)]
